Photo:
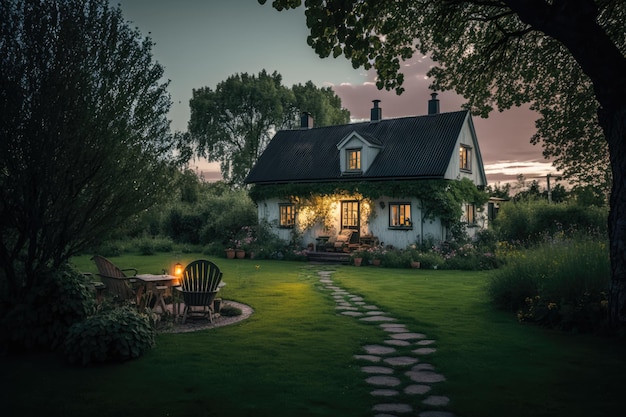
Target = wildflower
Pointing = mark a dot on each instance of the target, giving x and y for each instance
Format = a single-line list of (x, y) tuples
[(551, 306), (257, 267)]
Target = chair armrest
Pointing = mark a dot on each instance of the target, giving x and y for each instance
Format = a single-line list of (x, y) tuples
[(130, 269)]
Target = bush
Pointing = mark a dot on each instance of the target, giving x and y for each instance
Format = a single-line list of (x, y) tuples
[(532, 222), (41, 320), (112, 335), (561, 284)]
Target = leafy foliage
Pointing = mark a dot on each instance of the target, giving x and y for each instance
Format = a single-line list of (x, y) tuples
[(534, 221), (112, 335), (42, 319), (440, 198), (559, 284), (234, 123), (85, 136)]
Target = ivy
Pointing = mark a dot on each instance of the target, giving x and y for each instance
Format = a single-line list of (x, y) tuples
[(439, 198)]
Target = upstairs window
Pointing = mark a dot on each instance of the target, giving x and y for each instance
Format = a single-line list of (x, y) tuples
[(465, 154), (353, 159), (287, 215), (400, 215)]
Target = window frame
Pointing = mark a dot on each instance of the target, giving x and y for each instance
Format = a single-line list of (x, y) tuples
[(470, 214), (348, 212), (404, 222), (286, 215), (465, 158), (358, 159)]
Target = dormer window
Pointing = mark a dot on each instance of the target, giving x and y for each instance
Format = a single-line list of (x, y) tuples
[(465, 154), (353, 159)]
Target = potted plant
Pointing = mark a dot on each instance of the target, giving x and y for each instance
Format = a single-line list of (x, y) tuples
[(230, 253), (359, 256), (376, 253)]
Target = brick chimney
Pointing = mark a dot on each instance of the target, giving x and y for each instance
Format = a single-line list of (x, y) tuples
[(376, 112), (306, 120), (433, 104)]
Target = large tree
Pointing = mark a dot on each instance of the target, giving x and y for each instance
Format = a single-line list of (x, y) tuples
[(233, 124), (565, 57), (85, 139)]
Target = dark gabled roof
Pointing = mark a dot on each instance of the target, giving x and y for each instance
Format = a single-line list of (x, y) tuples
[(412, 147)]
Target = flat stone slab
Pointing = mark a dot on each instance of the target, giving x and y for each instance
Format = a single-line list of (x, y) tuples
[(436, 414), (416, 389), (426, 342), (393, 408), (383, 370), (396, 329), (401, 361), (423, 367), (390, 325), (384, 381), (394, 342), (369, 307), (352, 313), (346, 307), (375, 313), (384, 393), (425, 377), (424, 351), (359, 303), (356, 298), (370, 358), (378, 349), (436, 401), (408, 336), (377, 318)]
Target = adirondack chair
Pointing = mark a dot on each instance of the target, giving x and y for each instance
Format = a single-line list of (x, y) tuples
[(117, 283), (199, 286)]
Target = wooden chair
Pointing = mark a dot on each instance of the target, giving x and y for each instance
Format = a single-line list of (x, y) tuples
[(117, 283), (342, 242), (199, 286)]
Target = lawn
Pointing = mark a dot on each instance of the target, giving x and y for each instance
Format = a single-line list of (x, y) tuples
[(294, 355)]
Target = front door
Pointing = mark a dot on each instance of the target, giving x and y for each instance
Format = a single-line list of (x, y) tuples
[(350, 215)]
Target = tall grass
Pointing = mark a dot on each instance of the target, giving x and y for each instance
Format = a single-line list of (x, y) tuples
[(562, 283)]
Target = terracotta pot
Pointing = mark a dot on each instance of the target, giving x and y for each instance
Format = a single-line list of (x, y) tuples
[(230, 253), (376, 262), (357, 261), (415, 264), (240, 253)]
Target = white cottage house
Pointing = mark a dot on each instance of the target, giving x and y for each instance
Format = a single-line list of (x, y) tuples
[(369, 178)]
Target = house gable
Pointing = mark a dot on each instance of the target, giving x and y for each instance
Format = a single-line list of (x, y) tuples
[(357, 153), (466, 161)]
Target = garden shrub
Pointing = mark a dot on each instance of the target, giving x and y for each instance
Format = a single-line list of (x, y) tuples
[(561, 284), (114, 334), (41, 320), (532, 222)]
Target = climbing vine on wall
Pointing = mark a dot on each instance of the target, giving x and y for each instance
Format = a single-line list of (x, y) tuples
[(439, 198)]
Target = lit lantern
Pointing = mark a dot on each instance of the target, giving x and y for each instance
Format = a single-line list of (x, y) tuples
[(178, 270)]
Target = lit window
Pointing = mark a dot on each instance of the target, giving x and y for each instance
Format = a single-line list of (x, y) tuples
[(465, 158), (400, 215), (287, 215), (349, 214), (354, 159), (470, 213)]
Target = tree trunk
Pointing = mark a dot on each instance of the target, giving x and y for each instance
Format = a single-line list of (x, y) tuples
[(614, 125)]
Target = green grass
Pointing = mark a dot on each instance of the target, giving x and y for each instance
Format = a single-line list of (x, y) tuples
[(294, 355)]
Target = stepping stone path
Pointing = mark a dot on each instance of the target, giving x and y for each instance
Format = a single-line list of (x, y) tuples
[(396, 367)]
